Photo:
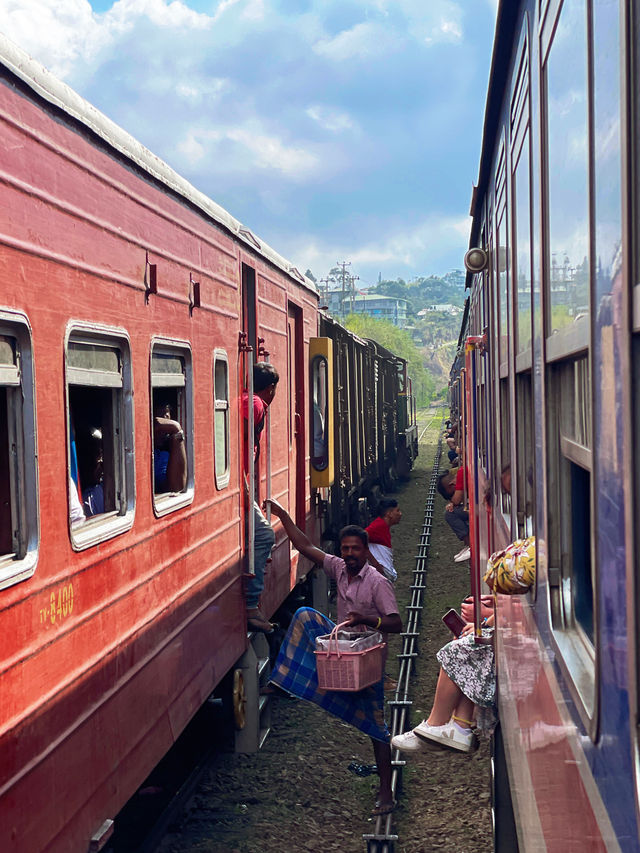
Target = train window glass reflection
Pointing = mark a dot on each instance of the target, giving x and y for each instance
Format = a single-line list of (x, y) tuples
[(18, 473), (221, 418), (503, 293), (522, 252), (172, 432), (319, 390), (568, 175), (100, 436)]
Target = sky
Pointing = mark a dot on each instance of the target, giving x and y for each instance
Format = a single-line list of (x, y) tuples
[(336, 130)]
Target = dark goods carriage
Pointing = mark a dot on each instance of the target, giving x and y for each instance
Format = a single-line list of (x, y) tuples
[(546, 390), (123, 290), (370, 433)]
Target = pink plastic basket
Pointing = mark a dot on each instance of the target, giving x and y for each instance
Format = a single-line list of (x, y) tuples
[(338, 670)]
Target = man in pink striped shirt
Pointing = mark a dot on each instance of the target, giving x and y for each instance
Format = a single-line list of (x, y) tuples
[(365, 597)]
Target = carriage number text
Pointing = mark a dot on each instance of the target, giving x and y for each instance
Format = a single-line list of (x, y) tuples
[(59, 607)]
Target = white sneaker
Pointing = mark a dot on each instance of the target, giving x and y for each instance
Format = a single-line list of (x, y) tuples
[(449, 736), (408, 742), (463, 555)]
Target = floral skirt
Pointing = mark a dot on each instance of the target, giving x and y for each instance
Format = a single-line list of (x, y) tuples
[(472, 668)]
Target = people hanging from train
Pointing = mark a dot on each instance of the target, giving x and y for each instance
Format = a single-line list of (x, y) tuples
[(452, 490), (465, 693), (169, 454), (91, 470), (265, 382), (466, 689), (379, 532), (364, 598)]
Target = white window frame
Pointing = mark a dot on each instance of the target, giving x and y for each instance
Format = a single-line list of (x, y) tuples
[(221, 405), (109, 524), (165, 503), (20, 564)]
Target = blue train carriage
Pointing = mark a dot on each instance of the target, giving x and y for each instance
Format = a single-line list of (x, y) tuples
[(547, 385)]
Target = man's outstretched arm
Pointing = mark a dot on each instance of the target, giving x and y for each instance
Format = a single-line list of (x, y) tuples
[(299, 539)]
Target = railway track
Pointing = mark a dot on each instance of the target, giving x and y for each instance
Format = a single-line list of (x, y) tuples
[(229, 812), (383, 839)]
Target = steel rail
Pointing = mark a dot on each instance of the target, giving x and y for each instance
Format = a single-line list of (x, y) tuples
[(383, 839)]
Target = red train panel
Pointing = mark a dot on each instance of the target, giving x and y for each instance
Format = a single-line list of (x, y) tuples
[(123, 628)]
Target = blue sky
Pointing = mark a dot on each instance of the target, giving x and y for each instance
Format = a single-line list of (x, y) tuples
[(335, 130)]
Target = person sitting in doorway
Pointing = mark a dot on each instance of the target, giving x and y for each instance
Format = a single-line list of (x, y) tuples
[(452, 490), (379, 532), (466, 682), (265, 383)]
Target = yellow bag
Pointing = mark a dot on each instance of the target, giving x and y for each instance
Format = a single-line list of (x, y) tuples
[(513, 571)]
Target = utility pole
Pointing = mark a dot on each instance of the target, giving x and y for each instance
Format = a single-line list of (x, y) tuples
[(326, 281), (353, 279), (343, 277)]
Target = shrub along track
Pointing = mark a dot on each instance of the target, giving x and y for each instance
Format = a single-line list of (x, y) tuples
[(297, 793)]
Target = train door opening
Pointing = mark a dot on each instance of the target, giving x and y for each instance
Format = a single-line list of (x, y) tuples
[(247, 357), (296, 408)]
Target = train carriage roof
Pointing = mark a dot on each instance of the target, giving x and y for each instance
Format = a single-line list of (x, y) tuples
[(22, 66)]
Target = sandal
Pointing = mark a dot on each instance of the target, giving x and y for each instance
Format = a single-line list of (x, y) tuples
[(257, 622), (381, 809)]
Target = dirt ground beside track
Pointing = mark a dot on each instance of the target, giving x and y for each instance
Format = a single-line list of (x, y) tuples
[(297, 793)]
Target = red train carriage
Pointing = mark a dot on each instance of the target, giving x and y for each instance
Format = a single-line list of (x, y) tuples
[(122, 289)]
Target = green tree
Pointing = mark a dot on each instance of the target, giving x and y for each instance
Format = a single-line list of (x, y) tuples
[(399, 342)]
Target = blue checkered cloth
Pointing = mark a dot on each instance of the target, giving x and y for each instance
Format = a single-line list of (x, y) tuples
[(295, 672)]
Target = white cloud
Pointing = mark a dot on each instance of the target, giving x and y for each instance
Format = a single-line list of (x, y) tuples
[(245, 148), (174, 15), (332, 120), (194, 91), (362, 41), (420, 248), (56, 33), (62, 33)]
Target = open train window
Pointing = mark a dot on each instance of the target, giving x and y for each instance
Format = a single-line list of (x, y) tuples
[(221, 418), (99, 434), (19, 531), (524, 449), (504, 497), (569, 441), (171, 425)]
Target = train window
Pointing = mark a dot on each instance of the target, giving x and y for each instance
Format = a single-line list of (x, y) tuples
[(100, 435), (504, 498), (172, 425), (221, 418), (19, 531), (567, 264), (320, 393), (503, 294), (569, 439), (524, 450), (522, 249)]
